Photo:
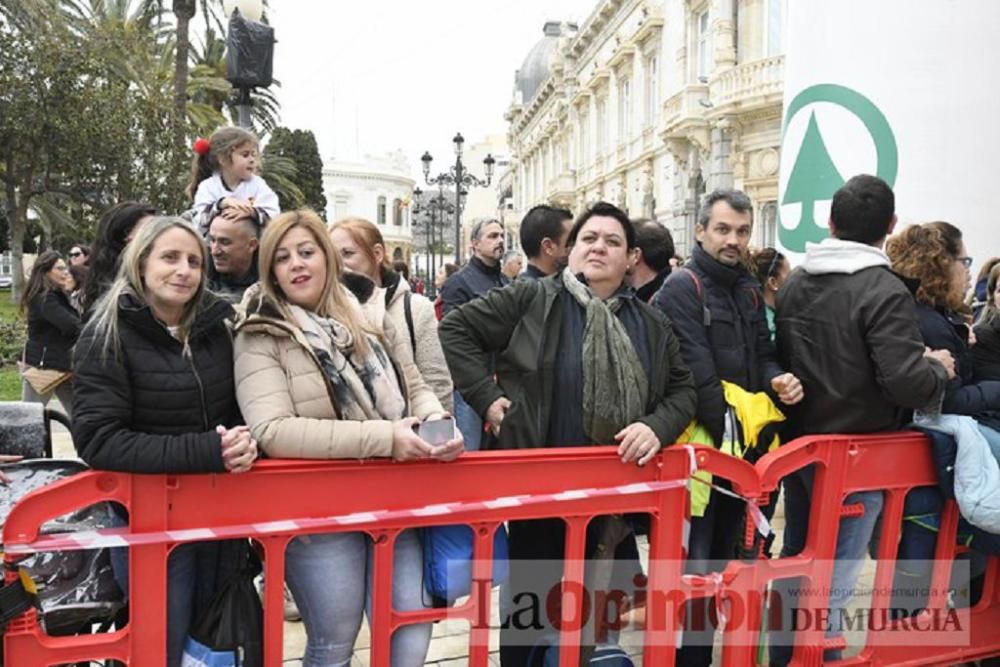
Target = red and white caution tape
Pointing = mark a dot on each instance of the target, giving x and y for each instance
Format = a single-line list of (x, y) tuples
[(760, 521), (121, 537)]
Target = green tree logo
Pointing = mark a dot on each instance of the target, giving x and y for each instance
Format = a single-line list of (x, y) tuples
[(814, 177)]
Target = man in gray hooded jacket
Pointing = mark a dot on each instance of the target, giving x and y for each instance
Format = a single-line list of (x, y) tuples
[(847, 328)]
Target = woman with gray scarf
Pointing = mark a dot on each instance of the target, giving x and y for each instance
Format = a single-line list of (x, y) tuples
[(579, 360)]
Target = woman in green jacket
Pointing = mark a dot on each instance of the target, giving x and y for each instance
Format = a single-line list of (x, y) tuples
[(615, 362)]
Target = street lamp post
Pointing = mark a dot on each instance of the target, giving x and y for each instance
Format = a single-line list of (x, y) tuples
[(433, 206), (460, 177)]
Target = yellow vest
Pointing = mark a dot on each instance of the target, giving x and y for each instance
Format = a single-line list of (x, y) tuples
[(753, 411)]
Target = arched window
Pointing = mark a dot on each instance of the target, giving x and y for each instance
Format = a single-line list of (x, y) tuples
[(380, 211), (397, 212)]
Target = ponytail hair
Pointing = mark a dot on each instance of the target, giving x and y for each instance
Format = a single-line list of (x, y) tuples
[(208, 158)]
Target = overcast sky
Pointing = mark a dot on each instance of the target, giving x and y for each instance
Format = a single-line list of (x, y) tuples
[(372, 76)]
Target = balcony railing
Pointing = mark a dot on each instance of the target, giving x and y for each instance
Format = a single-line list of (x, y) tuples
[(683, 105), (751, 81), (563, 185)]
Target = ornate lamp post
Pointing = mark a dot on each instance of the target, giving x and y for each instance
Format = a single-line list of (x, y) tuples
[(459, 177), (431, 208)]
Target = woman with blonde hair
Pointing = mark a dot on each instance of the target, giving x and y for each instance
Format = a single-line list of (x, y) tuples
[(153, 377), (315, 381), (363, 253)]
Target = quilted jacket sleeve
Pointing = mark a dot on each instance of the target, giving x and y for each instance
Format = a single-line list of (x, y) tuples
[(264, 392), (102, 411)]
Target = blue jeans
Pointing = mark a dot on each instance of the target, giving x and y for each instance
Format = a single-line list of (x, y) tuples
[(470, 424), (853, 538), (330, 577)]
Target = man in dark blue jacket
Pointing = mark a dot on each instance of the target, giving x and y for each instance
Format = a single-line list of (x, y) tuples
[(717, 311), (476, 278)]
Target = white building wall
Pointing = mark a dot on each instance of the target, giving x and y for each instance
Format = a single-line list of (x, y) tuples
[(376, 188)]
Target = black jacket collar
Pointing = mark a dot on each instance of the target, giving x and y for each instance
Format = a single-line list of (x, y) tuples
[(720, 274), (212, 311), (252, 276), (480, 265), (390, 281), (646, 292), (534, 272)]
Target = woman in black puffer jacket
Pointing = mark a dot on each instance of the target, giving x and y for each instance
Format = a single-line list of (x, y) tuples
[(53, 326), (155, 394), (935, 254)]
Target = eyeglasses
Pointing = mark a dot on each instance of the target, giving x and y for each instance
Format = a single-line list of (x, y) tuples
[(966, 261), (75, 254)]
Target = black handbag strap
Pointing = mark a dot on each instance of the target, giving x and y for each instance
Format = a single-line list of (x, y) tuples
[(408, 313)]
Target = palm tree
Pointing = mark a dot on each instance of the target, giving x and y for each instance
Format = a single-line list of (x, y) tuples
[(183, 11)]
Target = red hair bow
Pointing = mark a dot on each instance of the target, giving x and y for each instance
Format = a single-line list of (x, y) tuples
[(201, 146)]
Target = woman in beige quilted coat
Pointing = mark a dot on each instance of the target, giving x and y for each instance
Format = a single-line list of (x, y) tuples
[(314, 380), (363, 251)]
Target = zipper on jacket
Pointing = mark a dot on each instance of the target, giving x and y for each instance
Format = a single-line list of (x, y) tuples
[(269, 321), (186, 352)]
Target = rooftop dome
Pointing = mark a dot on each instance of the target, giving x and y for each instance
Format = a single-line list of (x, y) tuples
[(535, 69)]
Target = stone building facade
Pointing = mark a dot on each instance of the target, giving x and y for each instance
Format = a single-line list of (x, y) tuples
[(649, 104), (377, 188)]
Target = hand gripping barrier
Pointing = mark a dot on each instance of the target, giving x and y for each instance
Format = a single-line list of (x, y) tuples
[(280, 500)]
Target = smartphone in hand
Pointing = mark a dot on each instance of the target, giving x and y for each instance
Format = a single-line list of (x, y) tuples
[(438, 431)]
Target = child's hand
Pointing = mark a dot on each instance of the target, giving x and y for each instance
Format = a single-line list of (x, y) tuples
[(236, 209)]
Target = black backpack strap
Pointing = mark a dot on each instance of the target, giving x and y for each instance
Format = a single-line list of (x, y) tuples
[(408, 313)]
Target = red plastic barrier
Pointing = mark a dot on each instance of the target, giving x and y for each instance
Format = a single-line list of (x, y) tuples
[(895, 463), (280, 490)]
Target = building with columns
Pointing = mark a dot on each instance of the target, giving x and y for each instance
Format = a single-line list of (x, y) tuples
[(649, 104), (377, 188)]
